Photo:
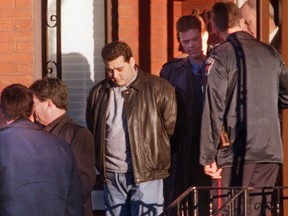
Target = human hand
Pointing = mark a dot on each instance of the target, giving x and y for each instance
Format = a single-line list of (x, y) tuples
[(213, 171)]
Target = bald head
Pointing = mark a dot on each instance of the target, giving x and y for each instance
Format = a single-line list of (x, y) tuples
[(248, 13)]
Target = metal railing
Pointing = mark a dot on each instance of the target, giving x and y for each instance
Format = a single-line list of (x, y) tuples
[(234, 199)]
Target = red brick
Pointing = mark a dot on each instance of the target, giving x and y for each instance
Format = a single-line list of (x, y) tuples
[(7, 47), (24, 46), (24, 68), (7, 25), (15, 78), (24, 24), (16, 58), (15, 13), (7, 68), (16, 42), (129, 2), (128, 21), (158, 9), (159, 2), (128, 10), (23, 3), (16, 36), (7, 3)]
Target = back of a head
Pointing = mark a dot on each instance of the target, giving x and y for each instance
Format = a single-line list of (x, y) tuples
[(2, 119), (115, 49), (225, 15), (53, 89), (271, 11), (187, 22), (252, 5), (16, 102)]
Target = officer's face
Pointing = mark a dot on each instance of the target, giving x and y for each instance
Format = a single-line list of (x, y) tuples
[(120, 71), (192, 42)]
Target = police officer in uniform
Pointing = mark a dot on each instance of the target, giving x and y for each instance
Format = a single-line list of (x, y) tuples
[(187, 75), (247, 83)]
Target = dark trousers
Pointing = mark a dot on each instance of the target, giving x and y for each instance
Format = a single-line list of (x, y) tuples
[(250, 175)]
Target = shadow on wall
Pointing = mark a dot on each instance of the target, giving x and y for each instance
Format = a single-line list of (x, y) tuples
[(76, 75)]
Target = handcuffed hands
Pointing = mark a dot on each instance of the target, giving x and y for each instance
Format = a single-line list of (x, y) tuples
[(213, 171)]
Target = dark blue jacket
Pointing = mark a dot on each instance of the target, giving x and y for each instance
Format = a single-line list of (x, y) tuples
[(39, 175)]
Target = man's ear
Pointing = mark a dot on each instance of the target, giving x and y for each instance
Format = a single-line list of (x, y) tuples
[(243, 25), (50, 104), (132, 61)]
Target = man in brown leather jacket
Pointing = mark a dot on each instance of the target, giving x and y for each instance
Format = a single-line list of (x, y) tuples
[(132, 115)]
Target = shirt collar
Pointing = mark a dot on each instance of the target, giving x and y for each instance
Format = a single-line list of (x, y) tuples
[(197, 69), (273, 33), (54, 123)]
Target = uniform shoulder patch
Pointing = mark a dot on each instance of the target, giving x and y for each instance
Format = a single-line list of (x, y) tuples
[(208, 64)]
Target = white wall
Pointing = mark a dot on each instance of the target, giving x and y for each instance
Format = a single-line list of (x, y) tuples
[(83, 36)]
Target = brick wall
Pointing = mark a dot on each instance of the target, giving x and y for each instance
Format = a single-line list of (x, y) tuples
[(128, 17), (16, 42), (143, 25), (147, 26)]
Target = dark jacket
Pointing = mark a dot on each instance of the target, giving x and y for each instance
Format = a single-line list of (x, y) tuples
[(150, 107), (81, 142), (39, 174), (186, 138), (247, 82), (189, 95)]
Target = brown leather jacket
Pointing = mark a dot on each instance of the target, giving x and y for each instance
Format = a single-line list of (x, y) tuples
[(150, 105)]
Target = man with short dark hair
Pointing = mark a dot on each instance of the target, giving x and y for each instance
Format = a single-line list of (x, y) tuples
[(51, 99), (188, 77), (39, 174), (132, 115), (247, 83)]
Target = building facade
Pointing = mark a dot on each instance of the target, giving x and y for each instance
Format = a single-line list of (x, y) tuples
[(85, 27)]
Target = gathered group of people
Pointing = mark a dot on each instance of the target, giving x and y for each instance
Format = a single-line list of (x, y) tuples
[(210, 119), (47, 162)]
